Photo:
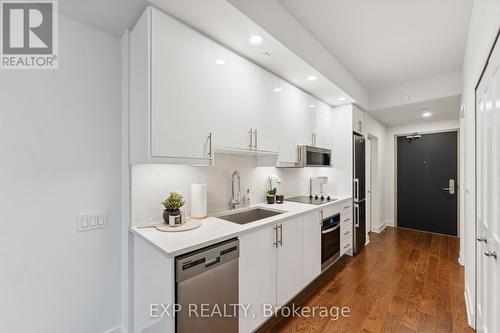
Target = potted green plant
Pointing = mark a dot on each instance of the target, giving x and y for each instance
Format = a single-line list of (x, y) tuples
[(271, 188), (271, 195), (172, 214)]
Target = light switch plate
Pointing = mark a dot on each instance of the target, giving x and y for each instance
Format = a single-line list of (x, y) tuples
[(92, 221)]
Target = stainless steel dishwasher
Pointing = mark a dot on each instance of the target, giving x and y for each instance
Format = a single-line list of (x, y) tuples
[(207, 289)]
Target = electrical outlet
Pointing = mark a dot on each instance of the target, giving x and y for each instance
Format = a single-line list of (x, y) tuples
[(92, 221)]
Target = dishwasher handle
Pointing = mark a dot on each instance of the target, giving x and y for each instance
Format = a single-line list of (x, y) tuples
[(212, 261), (199, 261)]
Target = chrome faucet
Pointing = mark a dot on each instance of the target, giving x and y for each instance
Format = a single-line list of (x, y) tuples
[(235, 189)]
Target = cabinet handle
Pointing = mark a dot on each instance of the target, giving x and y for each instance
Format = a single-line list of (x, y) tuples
[(250, 133), (210, 145), (275, 237), (255, 139), (348, 219), (482, 239), (280, 227), (347, 233), (346, 246), (491, 254), (346, 207)]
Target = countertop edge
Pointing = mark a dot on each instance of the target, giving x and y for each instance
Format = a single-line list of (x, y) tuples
[(276, 219)]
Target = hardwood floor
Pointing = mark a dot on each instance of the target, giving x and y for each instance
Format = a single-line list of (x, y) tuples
[(403, 281)]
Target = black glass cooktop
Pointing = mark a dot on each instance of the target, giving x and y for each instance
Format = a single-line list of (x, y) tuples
[(312, 199)]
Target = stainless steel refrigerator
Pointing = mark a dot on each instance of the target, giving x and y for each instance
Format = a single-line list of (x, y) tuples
[(359, 200)]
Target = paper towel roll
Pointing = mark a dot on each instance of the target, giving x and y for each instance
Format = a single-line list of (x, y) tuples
[(198, 201)]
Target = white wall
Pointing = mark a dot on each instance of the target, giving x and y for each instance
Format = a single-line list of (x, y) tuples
[(374, 128), (60, 144), (484, 25), (152, 183), (440, 86), (389, 156)]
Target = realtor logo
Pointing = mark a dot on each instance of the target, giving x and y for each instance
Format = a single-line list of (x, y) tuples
[(29, 34)]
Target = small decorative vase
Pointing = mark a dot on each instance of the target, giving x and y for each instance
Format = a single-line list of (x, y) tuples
[(280, 198), (270, 199), (172, 217)]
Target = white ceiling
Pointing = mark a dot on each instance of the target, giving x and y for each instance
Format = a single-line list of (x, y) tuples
[(220, 21), (384, 43), (445, 108), (112, 16)]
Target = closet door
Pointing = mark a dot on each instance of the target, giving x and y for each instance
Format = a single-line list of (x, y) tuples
[(488, 196)]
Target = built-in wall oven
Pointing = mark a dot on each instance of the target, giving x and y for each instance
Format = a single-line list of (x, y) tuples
[(330, 240)]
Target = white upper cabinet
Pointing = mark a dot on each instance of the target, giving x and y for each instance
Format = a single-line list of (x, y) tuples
[(182, 93), (324, 124), (247, 105), (190, 96), (297, 122), (357, 120)]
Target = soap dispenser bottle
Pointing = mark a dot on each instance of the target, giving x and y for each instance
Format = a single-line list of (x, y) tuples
[(248, 200)]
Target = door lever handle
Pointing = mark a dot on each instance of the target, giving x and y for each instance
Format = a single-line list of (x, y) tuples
[(491, 254), (482, 239)]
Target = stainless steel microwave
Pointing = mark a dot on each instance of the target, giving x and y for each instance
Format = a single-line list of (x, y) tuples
[(310, 156)]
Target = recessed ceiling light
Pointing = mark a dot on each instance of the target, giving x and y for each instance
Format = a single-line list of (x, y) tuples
[(277, 89), (342, 99), (220, 61), (312, 105), (311, 78), (426, 114), (256, 39)]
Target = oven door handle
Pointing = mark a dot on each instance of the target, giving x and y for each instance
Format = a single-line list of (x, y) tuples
[(330, 230)]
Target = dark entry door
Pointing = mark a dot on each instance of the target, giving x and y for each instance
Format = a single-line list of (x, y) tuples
[(426, 167)]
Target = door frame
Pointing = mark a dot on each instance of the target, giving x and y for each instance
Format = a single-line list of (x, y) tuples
[(478, 83), (457, 181), (372, 139)]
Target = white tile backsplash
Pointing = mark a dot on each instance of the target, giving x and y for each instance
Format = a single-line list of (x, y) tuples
[(152, 183)]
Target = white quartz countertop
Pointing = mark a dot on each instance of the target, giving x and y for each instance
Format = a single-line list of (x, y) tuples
[(214, 230)]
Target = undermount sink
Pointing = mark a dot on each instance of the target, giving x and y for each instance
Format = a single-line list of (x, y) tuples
[(250, 215)]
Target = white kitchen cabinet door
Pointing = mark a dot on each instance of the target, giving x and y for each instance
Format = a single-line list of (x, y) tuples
[(182, 93), (247, 106), (357, 120), (346, 230), (311, 247), (297, 121), (289, 261), (324, 126), (488, 196), (257, 275)]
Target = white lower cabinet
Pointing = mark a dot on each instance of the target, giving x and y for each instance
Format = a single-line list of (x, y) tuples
[(311, 247), (346, 230), (270, 269), (289, 260), (257, 276)]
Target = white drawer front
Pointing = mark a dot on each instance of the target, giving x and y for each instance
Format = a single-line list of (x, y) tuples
[(346, 207)]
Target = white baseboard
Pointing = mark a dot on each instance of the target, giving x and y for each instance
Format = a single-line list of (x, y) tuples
[(380, 228), (468, 308), (117, 329), (460, 260)]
